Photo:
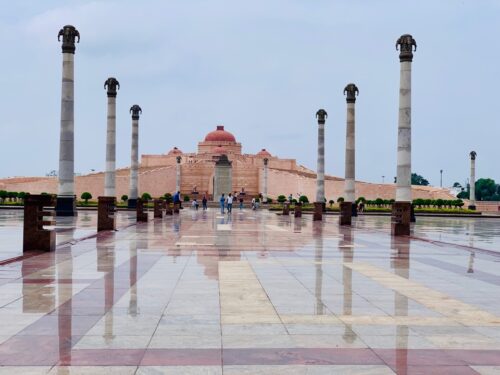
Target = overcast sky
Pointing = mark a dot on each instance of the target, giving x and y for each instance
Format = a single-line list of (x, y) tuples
[(262, 68)]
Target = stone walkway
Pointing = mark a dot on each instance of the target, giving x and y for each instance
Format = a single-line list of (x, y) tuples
[(254, 293)]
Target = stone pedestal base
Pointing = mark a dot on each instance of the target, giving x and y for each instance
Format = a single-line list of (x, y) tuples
[(401, 215), (286, 209), (132, 203), (35, 237), (345, 213), (66, 206), (318, 211), (142, 216), (158, 208), (298, 210), (106, 208)]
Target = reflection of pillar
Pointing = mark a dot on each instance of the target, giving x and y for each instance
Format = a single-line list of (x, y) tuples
[(401, 265), (406, 44), (321, 115), (347, 257), (178, 174), (264, 192), (318, 264), (106, 264), (472, 195), (66, 200), (134, 158), (470, 268), (132, 305), (111, 85), (65, 293)]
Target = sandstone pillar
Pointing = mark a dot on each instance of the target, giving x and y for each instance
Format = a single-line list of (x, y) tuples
[(66, 199), (472, 194), (400, 219), (111, 85), (348, 206), (134, 158), (321, 115), (264, 190), (178, 174)]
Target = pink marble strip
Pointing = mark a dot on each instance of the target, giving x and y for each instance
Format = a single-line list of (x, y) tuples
[(403, 361)]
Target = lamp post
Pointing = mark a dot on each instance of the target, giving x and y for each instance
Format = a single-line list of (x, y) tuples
[(441, 178)]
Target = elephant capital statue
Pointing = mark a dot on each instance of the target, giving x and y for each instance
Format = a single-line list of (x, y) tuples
[(321, 115), (406, 46), (68, 33), (352, 91), (111, 84), (136, 111)]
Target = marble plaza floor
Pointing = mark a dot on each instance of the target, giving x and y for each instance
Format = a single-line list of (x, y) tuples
[(252, 293)]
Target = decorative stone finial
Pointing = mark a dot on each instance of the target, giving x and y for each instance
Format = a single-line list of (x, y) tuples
[(473, 155), (266, 160), (136, 111), (112, 85), (178, 158), (321, 115), (68, 33), (405, 45), (352, 90)]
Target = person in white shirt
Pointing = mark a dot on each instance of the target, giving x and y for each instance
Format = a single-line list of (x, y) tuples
[(229, 203)]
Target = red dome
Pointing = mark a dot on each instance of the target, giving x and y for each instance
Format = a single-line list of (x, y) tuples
[(264, 152), (175, 151), (220, 135), (219, 150)]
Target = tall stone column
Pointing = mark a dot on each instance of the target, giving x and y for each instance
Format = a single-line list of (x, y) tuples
[(111, 85), (264, 192), (401, 212), (66, 199), (134, 158), (178, 174), (321, 115), (472, 195), (348, 209)]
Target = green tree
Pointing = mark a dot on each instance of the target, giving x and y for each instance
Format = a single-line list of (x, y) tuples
[(416, 179), (168, 197), (281, 199), (86, 196), (331, 202), (303, 199), (486, 188), (124, 198), (340, 199), (22, 195), (146, 196), (186, 198), (3, 195)]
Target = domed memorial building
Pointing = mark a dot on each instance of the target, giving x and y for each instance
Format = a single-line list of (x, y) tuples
[(218, 166)]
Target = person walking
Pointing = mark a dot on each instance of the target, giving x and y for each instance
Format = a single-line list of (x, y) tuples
[(177, 198), (222, 200), (290, 198), (229, 203), (241, 201), (204, 202)]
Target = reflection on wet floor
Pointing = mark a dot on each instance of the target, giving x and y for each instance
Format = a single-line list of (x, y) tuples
[(251, 293)]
